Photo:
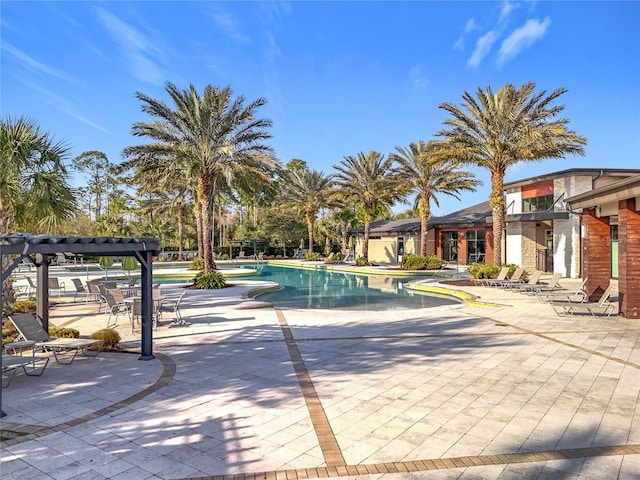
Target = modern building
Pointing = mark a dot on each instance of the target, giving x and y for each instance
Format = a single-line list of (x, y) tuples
[(610, 240), (542, 232), (464, 236)]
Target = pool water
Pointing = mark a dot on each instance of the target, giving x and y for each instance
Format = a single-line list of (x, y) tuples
[(323, 289)]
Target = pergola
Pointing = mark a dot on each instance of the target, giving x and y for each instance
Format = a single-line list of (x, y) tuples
[(39, 249)]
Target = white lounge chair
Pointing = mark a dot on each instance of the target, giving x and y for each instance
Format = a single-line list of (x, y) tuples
[(65, 349), (602, 307), (493, 282), (550, 293), (533, 282), (28, 363)]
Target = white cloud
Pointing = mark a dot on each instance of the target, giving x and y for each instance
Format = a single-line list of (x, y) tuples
[(507, 8), (470, 26), (31, 63), (137, 48), (522, 38), (228, 25), (419, 77), (483, 47)]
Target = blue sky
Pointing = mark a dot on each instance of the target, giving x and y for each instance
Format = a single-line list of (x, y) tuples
[(340, 77)]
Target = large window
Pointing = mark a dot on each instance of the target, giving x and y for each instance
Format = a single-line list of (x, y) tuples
[(475, 246), (537, 203)]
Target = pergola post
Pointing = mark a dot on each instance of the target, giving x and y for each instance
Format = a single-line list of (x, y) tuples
[(146, 279), (42, 290)]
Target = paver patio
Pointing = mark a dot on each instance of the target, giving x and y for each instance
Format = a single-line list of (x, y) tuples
[(498, 392)]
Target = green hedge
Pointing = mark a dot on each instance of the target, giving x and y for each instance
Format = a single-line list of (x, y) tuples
[(416, 262)]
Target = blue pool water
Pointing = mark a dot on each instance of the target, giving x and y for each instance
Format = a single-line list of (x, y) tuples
[(323, 289)]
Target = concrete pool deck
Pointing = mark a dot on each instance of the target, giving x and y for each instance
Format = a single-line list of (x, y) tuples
[(498, 392)]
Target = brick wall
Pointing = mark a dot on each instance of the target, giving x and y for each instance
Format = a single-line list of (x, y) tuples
[(629, 258), (596, 253)]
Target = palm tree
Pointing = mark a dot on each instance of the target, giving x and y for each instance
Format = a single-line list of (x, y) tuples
[(307, 191), (502, 129), (371, 181), (216, 140), (430, 173), (34, 191)]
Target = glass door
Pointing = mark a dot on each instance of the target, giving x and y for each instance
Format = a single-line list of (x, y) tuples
[(450, 246)]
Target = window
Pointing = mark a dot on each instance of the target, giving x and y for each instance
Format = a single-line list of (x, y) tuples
[(537, 203), (475, 246)]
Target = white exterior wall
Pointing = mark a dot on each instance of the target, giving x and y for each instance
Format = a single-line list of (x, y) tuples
[(514, 202), (567, 246), (514, 243)]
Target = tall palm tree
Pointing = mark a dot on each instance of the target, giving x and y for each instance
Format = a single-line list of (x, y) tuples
[(216, 140), (34, 191), (307, 191), (501, 129), (430, 173), (372, 181)]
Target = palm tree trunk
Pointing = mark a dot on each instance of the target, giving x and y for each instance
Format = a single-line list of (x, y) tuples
[(206, 232), (180, 232), (425, 214), (367, 230), (198, 213), (496, 202), (310, 224)]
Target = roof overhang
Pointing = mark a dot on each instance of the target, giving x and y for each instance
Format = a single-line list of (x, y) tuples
[(539, 216), (612, 193)]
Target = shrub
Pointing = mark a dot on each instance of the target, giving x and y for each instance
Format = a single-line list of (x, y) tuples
[(312, 256), (417, 262), (334, 257), (9, 332), (482, 270), (109, 336), (197, 263), (24, 306), (210, 281), (362, 261), (64, 332)]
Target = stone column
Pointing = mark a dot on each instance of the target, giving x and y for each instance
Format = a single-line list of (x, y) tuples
[(629, 258)]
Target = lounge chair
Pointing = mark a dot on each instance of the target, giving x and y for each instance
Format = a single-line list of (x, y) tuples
[(515, 279), (602, 307), (493, 282), (11, 364), (542, 288), (533, 282), (550, 294), (64, 349)]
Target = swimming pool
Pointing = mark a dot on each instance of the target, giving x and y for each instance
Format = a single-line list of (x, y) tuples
[(324, 289)]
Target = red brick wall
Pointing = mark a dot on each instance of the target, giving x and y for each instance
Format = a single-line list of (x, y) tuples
[(629, 258), (596, 253)]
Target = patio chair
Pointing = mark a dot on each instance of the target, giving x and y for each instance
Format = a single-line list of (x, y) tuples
[(173, 306), (602, 307), (549, 294), (64, 350), (493, 282), (533, 282), (114, 306), (542, 288), (81, 291), (31, 287), (56, 285), (11, 364), (135, 313)]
